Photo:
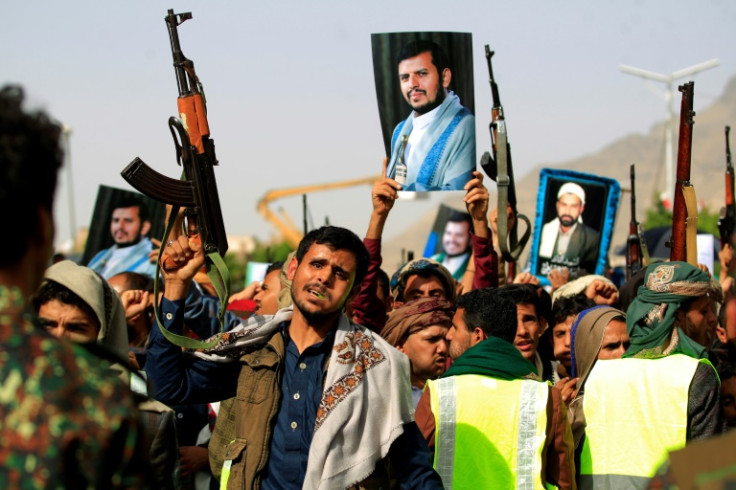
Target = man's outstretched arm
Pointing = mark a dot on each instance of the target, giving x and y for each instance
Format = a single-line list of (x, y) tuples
[(177, 379), (368, 310), (485, 260)]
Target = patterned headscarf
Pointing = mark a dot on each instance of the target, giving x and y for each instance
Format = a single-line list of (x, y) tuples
[(422, 266), (415, 316), (284, 298), (650, 319)]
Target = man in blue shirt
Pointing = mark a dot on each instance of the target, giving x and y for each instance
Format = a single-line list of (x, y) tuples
[(320, 402)]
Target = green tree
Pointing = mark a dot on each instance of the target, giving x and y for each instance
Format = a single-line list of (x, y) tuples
[(264, 252), (657, 216)]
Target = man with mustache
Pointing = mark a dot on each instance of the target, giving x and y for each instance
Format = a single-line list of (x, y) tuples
[(440, 151), (456, 246), (566, 241), (320, 401), (490, 420), (129, 227), (418, 329)]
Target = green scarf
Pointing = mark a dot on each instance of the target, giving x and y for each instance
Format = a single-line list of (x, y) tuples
[(650, 318), (493, 357)]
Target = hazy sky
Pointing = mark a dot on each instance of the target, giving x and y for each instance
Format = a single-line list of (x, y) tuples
[(290, 88)]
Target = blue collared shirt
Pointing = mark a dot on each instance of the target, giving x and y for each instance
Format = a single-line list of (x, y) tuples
[(181, 379), (301, 391)]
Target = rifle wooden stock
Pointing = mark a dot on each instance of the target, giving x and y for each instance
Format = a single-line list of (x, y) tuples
[(195, 152), (637, 255), (196, 190), (727, 216), (685, 211)]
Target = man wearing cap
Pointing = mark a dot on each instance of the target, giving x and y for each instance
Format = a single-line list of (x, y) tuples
[(566, 241), (662, 394), (422, 278)]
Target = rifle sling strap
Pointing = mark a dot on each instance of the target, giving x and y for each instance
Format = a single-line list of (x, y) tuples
[(509, 244), (219, 275), (691, 226)]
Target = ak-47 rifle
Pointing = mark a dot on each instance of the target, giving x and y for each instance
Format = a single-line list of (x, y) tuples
[(637, 255), (498, 167), (197, 189), (727, 216), (684, 209)]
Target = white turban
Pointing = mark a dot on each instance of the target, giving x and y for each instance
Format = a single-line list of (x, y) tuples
[(572, 188)]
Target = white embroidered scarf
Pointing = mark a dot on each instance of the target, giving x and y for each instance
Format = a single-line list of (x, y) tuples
[(365, 402)]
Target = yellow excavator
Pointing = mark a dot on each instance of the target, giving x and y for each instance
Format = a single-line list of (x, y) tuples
[(286, 226)]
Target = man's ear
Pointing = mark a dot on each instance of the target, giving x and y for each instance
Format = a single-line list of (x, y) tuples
[(145, 228), (679, 317), (721, 334), (446, 78), (478, 335), (291, 271)]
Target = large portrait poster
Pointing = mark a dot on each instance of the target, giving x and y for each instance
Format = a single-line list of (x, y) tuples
[(424, 86), (576, 212), (108, 199)]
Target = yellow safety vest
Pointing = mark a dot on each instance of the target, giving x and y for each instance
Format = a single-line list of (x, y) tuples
[(635, 412), (490, 433)]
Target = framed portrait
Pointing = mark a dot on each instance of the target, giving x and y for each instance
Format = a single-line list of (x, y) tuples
[(574, 222), (100, 236), (424, 88), (449, 240)]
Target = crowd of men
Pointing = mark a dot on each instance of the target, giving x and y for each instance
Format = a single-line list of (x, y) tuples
[(333, 373)]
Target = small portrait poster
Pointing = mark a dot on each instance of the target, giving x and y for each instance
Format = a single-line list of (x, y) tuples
[(424, 86), (574, 222), (255, 271), (101, 236), (449, 242)]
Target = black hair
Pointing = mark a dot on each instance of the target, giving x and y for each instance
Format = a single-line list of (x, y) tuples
[(30, 157), (133, 202), (530, 294), (383, 282), (274, 266), (568, 306), (627, 291), (725, 370), (419, 46), (494, 313), (52, 290), (136, 281), (459, 217), (722, 319), (337, 238)]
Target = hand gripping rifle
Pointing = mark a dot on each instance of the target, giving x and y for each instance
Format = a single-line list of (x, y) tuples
[(727, 216), (685, 210), (498, 167), (637, 255), (197, 189)]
